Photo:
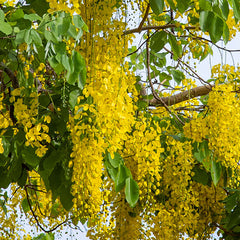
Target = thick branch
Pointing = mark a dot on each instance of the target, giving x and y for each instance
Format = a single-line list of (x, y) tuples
[(182, 96), (136, 30), (10, 74)]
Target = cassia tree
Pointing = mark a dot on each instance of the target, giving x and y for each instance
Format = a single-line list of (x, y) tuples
[(130, 139)]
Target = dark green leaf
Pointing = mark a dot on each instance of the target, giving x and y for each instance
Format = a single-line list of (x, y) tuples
[(201, 176), (157, 6), (231, 201), (39, 6), (4, 179), (131, 192), (66, 198), (29, 157), (158, 41), (216, 29), (234, 218)]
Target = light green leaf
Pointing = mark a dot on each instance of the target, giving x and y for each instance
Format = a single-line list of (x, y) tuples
[(224, 8), (121, 177), (116, 160), (226, 33), (216, 171), (236, 9), (205, 20), (131, 192), (176, 49), (177, 75), (79, 23), (73, 96), (27, 36), (5, 28), (36, 37), (32, 17), (2, 15)]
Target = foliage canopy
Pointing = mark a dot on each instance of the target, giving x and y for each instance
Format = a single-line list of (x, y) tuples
[(126, 137)]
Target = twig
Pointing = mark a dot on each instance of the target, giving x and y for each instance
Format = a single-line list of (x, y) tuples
[(35, 217), (152, 88), (144, 18), (146, 28)]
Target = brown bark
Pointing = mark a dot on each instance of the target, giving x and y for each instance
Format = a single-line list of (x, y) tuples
[(182, 96)]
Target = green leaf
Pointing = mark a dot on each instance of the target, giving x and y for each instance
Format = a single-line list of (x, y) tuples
[(201, 176), (27, 36), (231, 201), (224, 8), (225, 33), (157, 6), (176, 49), (39, 6), (2, 15), (122, 175), (182, 5), (177, 75), (23, 178), (4, 179), (131, 192), (32, 17), (20, 37), (79, 23), (216, 171), (236, 9), (205, 20), (116, 160), (17, 15), (234, 218), (158, 41), (5, 28), (66, 198), (29, 157), (73, 96), (36, 37), (205, 5), (216, 29), (25, 205), (6, 146)]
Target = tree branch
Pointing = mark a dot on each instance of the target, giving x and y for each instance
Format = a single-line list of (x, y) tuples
[(146, 28), (182, 96), (11, 75)]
